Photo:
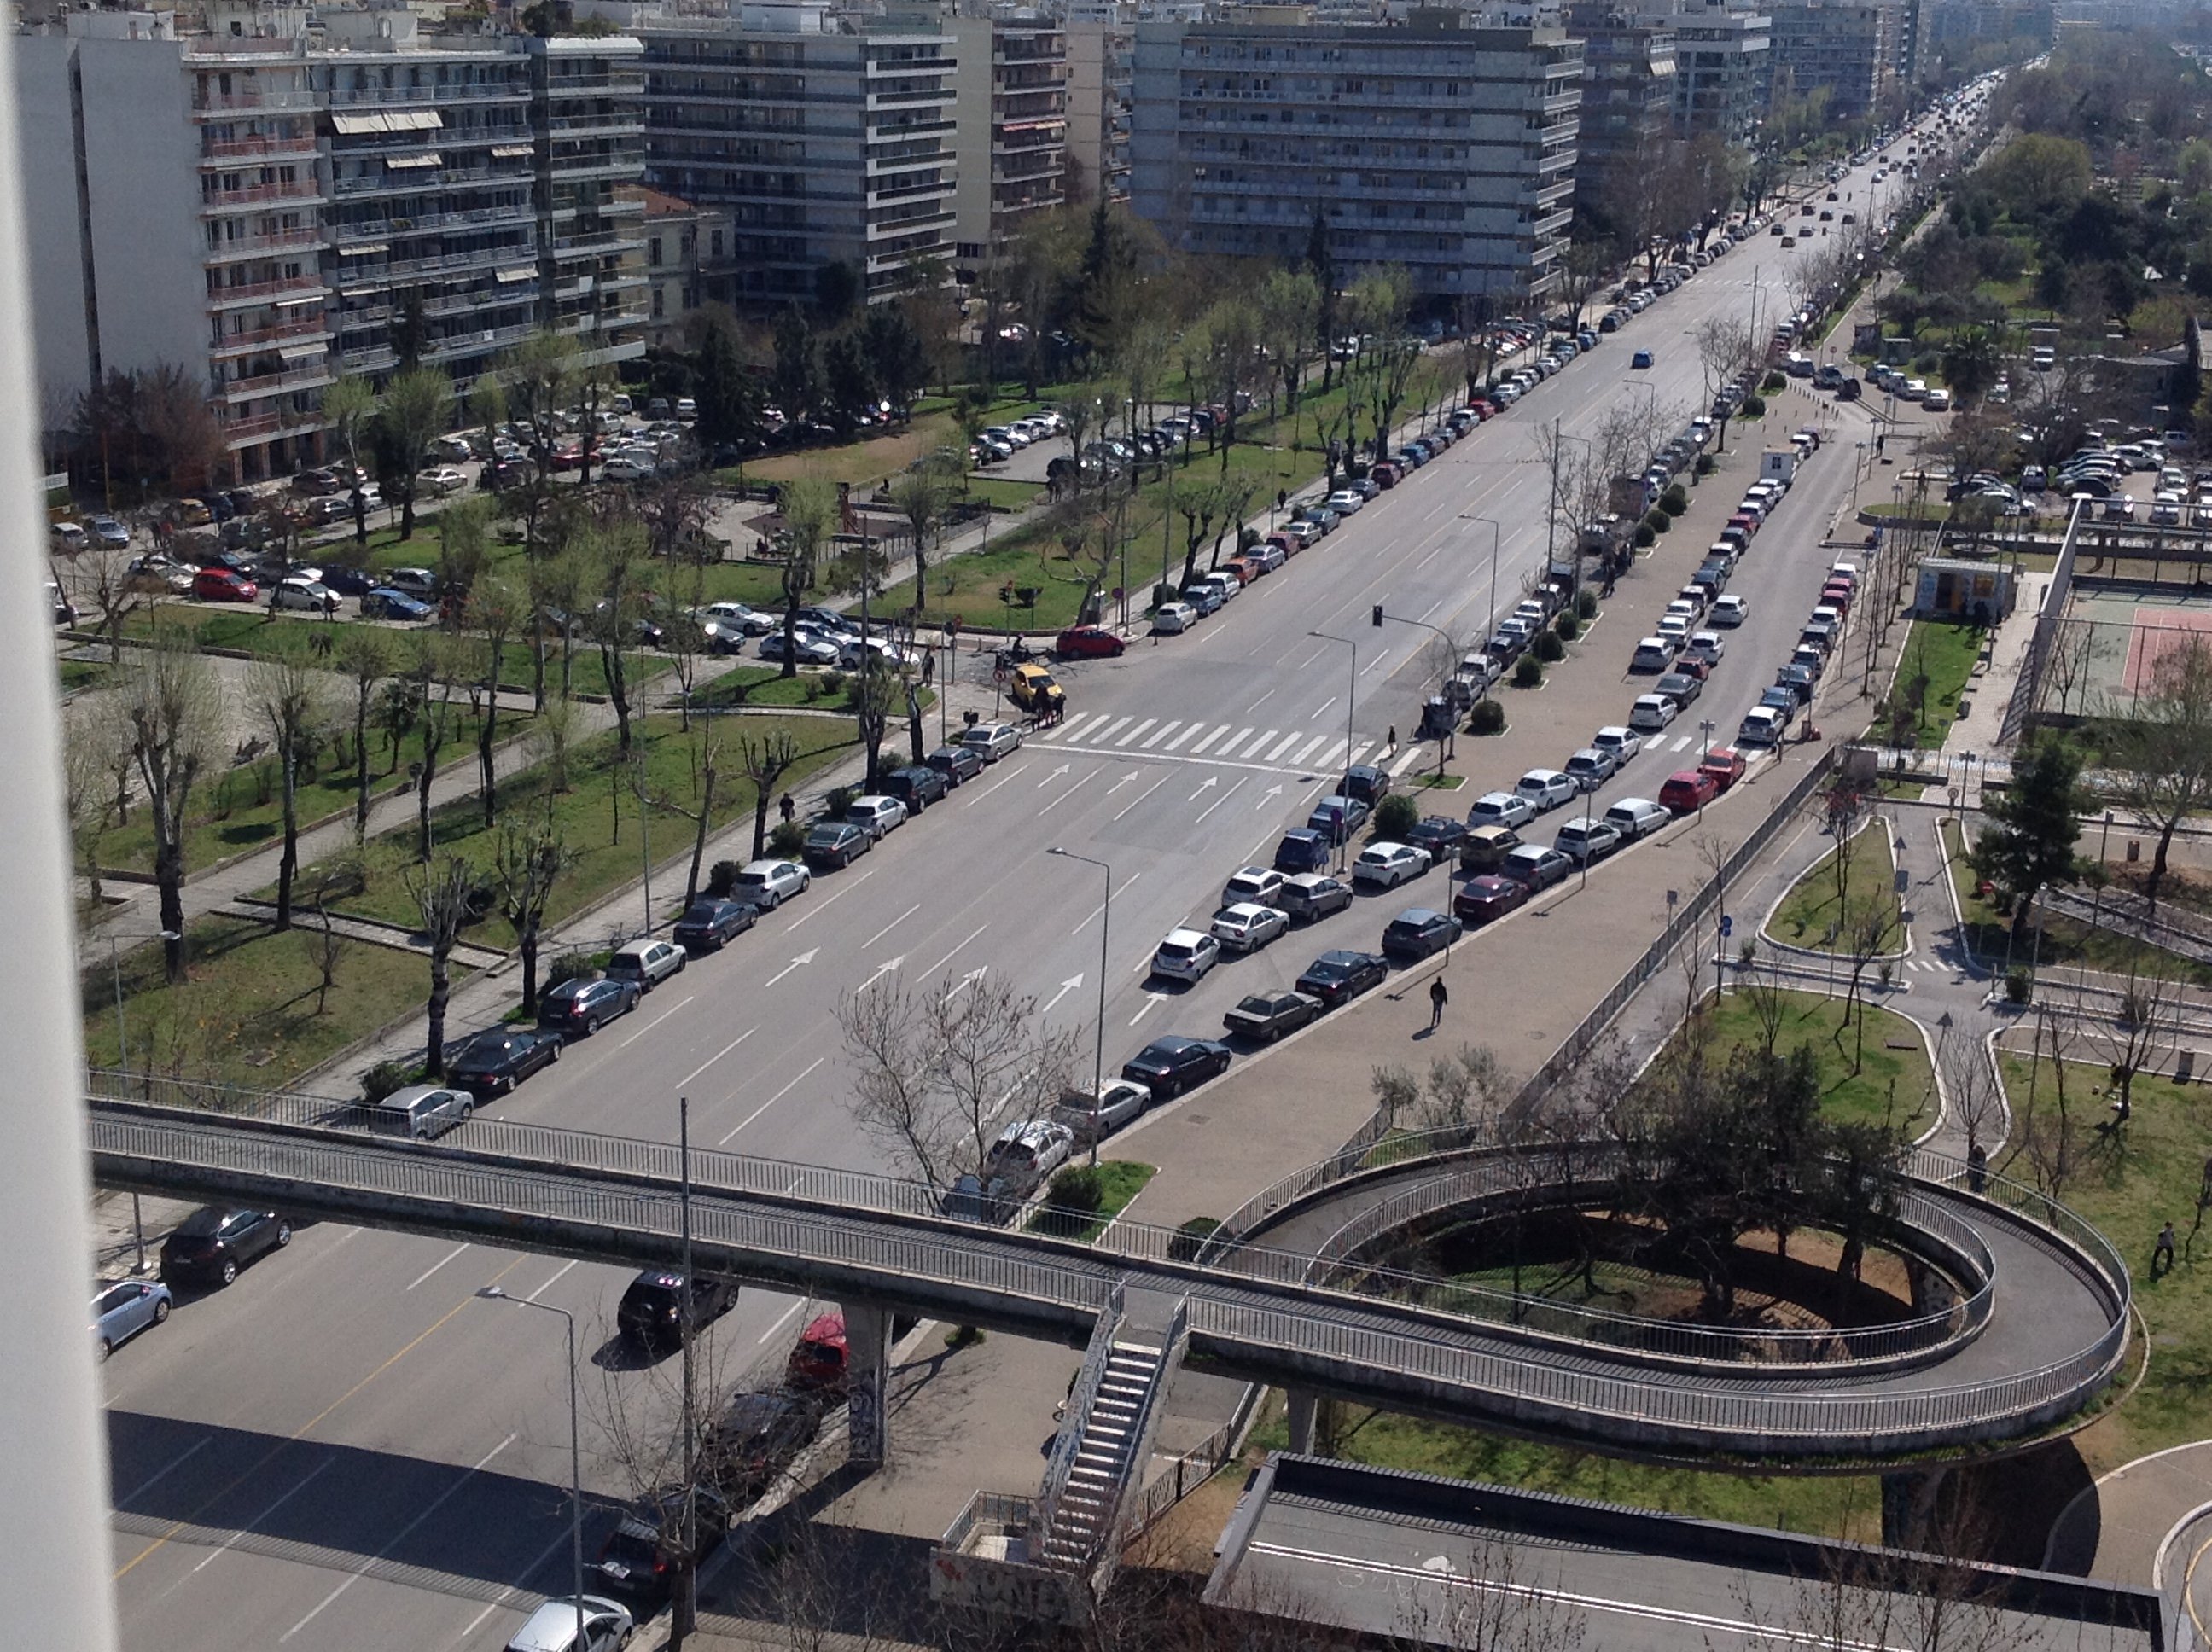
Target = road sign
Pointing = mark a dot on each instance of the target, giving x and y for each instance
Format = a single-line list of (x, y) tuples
[(1728, 926), (1903, 881)]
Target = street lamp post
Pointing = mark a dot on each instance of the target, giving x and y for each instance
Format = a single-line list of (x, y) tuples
[(1099, 1048), (1495, 532), (1351, 691), (493, 1293)]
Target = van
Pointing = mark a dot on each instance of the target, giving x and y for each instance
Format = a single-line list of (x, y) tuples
[(1484, 848), (421, 1112), (647, 962), (1635, 817)]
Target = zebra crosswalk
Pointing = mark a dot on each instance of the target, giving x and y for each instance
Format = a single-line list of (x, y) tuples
[(1186, 740), (1927, 966)]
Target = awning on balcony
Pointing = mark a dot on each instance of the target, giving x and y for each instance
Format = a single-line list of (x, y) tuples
[(300, 303), (303, 352), (364, 250), (398, 120), (408, 162), (509, 151), (530, 274)]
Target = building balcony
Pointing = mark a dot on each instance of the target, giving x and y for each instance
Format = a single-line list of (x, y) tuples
[(261, 427), (882, 228), (304, 377), (430, 181), (217, 151), (315, 327), (255, 194), (1547, 166), (619, 84), (354, 97), (885, 68), (1554, 223), (216, 105), (909, 99), (262, 246), (610, 122), (261, 292)]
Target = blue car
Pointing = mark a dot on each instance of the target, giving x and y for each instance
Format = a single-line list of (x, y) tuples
[(1641, 359), (384, 602), (121, 1311), (349, 581)]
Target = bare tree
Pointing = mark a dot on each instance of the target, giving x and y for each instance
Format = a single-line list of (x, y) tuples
[(2047, 1133), (938, 1066), (621, 591), (429, 676), (2160, 756), (921, 495), (1726, 350), (96, 746), (707, 794), (495, 610), (363, 656), (443, 893), (2142, 1031), (290, 701), (809, 508), (325, 947), (174, 705), (765, 760), (527, 861)]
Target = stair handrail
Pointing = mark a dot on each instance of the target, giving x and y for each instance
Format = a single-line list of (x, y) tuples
[(1073, 1414), (1132, 1473)]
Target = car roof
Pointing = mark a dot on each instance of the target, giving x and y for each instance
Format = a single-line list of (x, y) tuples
[(1180, 936), (1417, 915), (1242, 909)]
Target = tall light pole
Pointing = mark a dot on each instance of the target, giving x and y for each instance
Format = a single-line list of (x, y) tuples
[(1099, 1048), (1350, 689), (493, 1293), (1495, 532)]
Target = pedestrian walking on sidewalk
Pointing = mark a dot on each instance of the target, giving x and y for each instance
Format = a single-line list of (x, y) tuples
[(1438, 998), (788, 807)]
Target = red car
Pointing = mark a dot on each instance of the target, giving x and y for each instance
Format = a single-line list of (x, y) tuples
[(1725, 764), (1088, 642), (221, 585), (1483, 900), (817, 1363), (1688, 790), (1285, 543)]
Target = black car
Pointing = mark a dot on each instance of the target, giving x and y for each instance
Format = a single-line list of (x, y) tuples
[(584, 1006), (1268, 1017), (1440, 834), (835, 843), (1172, 1065), (957, 763), (916, 786), (708, 925), (351, 581), (1339, 976), (1417, 933), (499, 1058), (643, 1554), (755, 1439), (651, 1312), (1366, 782), (214, 1243), (1303, 851)]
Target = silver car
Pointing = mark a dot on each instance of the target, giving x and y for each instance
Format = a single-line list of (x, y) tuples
[(121, 1311)]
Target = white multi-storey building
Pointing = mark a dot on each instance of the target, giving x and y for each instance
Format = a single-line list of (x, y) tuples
[(1446, 146), (1010, 144), (1101, 41)]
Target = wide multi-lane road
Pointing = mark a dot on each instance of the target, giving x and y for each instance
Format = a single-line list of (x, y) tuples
[(346, 1449)]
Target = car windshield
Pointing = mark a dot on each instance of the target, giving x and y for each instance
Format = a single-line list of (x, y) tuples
[(201, 1224)]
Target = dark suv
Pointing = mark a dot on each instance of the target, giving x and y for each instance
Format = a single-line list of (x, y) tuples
[(642, 1556), (917, 786), (214, 1243), (755, 1440), (584, 1007), (651, 1312), (1301, 851)]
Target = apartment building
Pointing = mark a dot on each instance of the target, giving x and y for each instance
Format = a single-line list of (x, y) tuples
[(1628, 96), (1722, 54), (1102, 39), (681, 239), (1447, 146), (261, 207), (1010, 131), (1850, 51), (825, 141)]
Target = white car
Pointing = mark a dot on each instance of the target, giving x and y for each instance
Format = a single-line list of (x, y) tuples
[(2165, 511), (1731, 611), (1173, 619), (1256, 885), (1186, 955), (1507, 809), (1386, 866), (992, 741), (1590, 768), (1345, 501), (1673, 628), (620, 469), (1622, 743), (1706, 646), (1546, 788), (769, 884), (737, 617), (879, 816), (1246, 927), (444, 479), (1121, 1101), (1652, 713), (305, 596), (1937, 401)]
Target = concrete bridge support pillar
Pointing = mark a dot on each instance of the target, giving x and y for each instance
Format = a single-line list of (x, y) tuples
[(1303, 1408), (868, 1368), (1908, 1507)]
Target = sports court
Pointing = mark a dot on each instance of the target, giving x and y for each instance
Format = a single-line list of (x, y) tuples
[(2109, 646)]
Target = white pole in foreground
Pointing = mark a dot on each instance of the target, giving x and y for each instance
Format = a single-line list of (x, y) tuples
[(56, 1562)]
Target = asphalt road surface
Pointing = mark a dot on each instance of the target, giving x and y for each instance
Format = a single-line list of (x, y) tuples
[(347, 1448)]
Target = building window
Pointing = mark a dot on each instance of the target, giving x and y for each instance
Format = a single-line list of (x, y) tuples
[(653, 253)]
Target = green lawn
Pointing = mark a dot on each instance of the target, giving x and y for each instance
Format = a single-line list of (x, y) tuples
[(1938, 659), (597, 815), (1887, 1083), (1812, 916), (79, 674), (1119, 1181), (2127, 1186), (755, 686), (242, 630), (248, 1014)]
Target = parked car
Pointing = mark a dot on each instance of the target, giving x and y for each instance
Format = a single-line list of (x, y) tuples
[(1687, 791), (957, 763), (215, 1241), (421, 1112), (1486, 899), (1365, 782), (221, 585), (1635, 817), (759, 1435), (1256, 884), (1186, 955), (1338, 977), (916, 785), (1172, 1065), (1536, 865), (1418, 932), (1247, 926), (1088, 642), (121, 1311), (877, 815), (806, 648), (648, 962), (1507, 808), (386, 603), (1438, 836), (1028, 1152), (1337, 818), (303, 596), (833, 844), (1545, 789), (709, 924), (1587, 842), (1303, 850), (1725, 764), (1266, 1017), (1173, 619), (1591, 768), (767, 884), (992, 741), (640, 1558), (499, 1058), (582, 1005), (1386, 866), (1309, 896)]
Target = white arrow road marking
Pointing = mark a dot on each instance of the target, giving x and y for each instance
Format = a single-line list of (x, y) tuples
[(738, 1040), (787, 1090), (1223, 798), (1204, 787), (1054, 776), (1152, 1001), (805, 957), (1124, 781), (1065, 987), (966, 981), (1268, 797), (894, 924), (882, 969)]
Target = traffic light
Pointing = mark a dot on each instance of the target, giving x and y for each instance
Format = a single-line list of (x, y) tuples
[(1378, 616)]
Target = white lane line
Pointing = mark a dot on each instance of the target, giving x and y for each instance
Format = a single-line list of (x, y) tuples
[(1309, 748), (160, 1474), (1199, 751), (1101, 906), (656, 1020), (829, 901), (1147, 792), (1439, 602), (1066, 792), (1260, 702), (949, 956), (1218, 801), (716, 1056), (771, 1102), (1235, 740), (435, 1265), (398, 1537), (1137, 731), (782, 1320), (506, 1594), (894, 924), (557, 1275), (1176, 743), (1016, 771), (1322, 709), (1288, 740), (1114, 728), (221, 1547), (1166, 729), (1375, 665)]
